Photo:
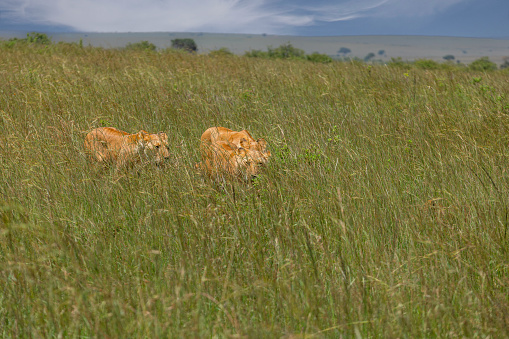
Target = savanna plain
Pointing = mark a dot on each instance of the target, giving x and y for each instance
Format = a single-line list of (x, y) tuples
[(383, 212)]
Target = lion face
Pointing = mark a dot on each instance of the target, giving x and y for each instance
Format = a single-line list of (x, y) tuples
[(223, 158), (247, 164), (256, 150), (261, 146), (155, 146)]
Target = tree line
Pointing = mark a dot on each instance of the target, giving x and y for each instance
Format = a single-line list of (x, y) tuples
[(285, 51)]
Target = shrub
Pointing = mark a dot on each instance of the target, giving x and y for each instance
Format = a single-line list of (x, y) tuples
[(483, 64), (398, 62), (344, 50), (32, 38), (38, 38), (141, 46), (426, 64), (505, 64), (185, 44), (318, 57), (256, 53), (286, 51), (221, 52), (369, 57)]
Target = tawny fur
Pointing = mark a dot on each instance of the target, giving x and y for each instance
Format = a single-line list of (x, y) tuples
[(222, 159), (242, 139), (230, 153), (110, 145)]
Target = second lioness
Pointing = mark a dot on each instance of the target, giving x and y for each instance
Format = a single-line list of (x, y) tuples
[(108, 144), (235, 154), (225, 160), (242, 139)]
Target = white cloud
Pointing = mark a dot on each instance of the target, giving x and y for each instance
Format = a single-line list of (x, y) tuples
[(240, 16), (416, 8), (347, 10)]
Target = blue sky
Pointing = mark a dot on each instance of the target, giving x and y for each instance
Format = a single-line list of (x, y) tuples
[(469, 18)]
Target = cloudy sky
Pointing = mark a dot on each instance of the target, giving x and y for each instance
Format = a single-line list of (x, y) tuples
[(470, 18)]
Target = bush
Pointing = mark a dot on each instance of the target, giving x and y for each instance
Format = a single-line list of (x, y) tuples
[(32, 38), (369, 57), (344, 50), (221, 52), (256, 53), (318, 57), (398, 62), (38, 38), (185, 44), (141, 46), (505, 64), (286, 51), (449, 57), (483, 64), (426, 64)]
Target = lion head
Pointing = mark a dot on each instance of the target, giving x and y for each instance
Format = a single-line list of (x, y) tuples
[(154, 147)]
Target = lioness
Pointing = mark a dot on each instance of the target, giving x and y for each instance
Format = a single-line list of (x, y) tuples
[(222, 158), (240, 139), (108, 144)]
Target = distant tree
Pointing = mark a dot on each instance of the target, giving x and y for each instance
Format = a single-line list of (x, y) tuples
[(505, 64), (286, 51), (369, 57), (344, 50), (141, 46), (483, 64), (381, 52), (449, 57), (185, 44)]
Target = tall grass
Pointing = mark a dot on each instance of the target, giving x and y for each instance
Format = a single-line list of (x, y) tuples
[(383, 213)]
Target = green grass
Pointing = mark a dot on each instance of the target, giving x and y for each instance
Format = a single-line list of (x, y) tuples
[(383, 212)]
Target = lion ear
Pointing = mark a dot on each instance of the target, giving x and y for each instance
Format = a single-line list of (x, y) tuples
[(241, 151), (140, 137), (144, 135), (163, 135), (244, 143), (262, 143)]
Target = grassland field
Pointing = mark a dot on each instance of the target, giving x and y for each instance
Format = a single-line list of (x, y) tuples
[(383, 212)]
